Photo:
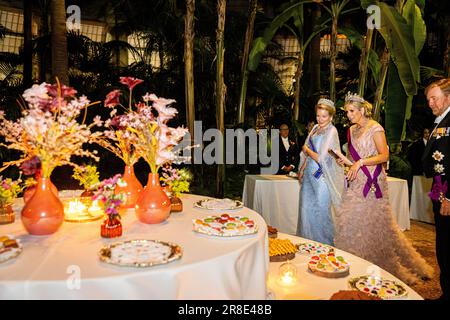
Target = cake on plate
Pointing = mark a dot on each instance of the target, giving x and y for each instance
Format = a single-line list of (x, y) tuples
[(377, 286), (329, 265), (225, 225), (273, 232), (281, 250), (352, 295), (9, 248), (312, 248)]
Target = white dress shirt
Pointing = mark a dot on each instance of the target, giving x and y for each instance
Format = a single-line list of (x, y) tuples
[(285, 143)]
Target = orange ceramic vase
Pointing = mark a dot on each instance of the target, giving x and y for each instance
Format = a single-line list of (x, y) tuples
[(131, 189), (153, 205), (44, 213), (29, 192)]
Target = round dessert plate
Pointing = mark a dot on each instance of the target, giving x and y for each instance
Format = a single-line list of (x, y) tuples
[(219, 204), (313, 248), (7, 250), (140, 253), (377, 286), (225, 226)]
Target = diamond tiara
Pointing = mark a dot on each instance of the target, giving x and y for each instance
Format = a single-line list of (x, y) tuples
[(326, 102), (354, 97)]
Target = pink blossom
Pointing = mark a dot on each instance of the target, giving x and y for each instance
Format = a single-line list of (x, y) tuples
[(112, 99), (130, 82), (37, 94), (164, 113)]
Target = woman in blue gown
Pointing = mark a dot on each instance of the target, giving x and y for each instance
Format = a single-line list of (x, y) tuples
[(321, 177)]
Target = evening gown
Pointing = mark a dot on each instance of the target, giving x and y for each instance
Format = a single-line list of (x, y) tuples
[(314, 220), (365, 226)]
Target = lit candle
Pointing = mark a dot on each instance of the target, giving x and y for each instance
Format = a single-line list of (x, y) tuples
[(75, 207), (287, 274)]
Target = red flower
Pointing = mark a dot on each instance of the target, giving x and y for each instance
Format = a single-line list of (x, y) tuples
[(66, 92), (112, 99), (130, 82), (31, 166)]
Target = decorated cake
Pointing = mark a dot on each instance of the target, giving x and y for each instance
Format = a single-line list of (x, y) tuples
[(273, 232), (377, 286), (329, 265), (281, 250), (311, 248), (352, 295), (9, 248), (225, 225)]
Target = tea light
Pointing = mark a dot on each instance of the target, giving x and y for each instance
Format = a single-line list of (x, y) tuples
[(287, 274), (76, 211)]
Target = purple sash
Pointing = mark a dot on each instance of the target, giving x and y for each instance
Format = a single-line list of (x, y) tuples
[(439, 189), (372, 182)]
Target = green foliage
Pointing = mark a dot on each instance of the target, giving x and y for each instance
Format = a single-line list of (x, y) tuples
[(87, 176), (9, 190), (401, 44), (412, 14)]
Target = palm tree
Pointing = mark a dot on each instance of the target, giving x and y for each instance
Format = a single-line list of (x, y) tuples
[(59, 41), (189, 64), (220, 92), (291, 10), (253, 6), (27, 43), (334, 11)]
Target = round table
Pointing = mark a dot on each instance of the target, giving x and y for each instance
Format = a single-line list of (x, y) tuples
[(65, 265), (312, 287)]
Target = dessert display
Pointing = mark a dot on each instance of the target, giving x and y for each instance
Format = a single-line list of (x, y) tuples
[(219, 204), (273, 232), (329, 265), (225, 225), (352, 295), (311, 248), (140, 253), (281, 250), (9, 248), (379, 287)]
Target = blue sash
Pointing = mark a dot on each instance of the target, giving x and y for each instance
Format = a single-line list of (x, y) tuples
[(319, 171)]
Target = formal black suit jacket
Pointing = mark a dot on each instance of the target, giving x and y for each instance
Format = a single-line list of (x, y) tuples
[(415, 154), (439, 143), (288, 157)]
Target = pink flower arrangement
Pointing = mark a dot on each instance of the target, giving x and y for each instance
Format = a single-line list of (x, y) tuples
[(116, 138), (155, 140), (141, 131), (105, 193), (48, 128)]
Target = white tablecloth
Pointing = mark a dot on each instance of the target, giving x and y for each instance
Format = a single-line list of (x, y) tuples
[(210, 268), (276, 198), (313, 287), (421, 205)]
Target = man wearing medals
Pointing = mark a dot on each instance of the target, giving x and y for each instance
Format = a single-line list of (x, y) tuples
[(436, 161)]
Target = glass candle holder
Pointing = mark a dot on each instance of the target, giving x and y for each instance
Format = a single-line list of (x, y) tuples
[(287, 274)]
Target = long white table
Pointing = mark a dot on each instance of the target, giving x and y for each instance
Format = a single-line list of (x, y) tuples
[(276, 198), (421, 205), (313, 287), (210, 268)]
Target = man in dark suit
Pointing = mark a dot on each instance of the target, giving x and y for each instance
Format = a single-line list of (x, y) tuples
[(436, 161), (289, 153), (415, 153)]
